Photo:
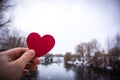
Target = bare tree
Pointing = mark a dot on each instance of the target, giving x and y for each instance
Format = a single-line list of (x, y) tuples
[(114, 52), (81, 48), (5, 5), (110, 43), (118, 40), (114, 46), (8, 38), (88, 48), (12, 41)]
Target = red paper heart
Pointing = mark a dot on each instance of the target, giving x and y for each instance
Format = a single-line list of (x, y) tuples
[(41, 45)]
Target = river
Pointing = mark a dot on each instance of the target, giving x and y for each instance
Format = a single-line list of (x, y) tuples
[(62, 71)]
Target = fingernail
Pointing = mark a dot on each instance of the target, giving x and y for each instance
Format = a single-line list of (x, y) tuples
[(31, 52)]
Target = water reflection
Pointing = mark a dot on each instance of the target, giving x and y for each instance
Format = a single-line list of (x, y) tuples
[(90, 73), (30, 76), (54, 71), (63, 71)]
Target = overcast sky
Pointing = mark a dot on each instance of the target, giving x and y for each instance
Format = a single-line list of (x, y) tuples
[(69, 21)]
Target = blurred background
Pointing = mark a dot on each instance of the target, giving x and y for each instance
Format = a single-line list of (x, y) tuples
[(87, 34)]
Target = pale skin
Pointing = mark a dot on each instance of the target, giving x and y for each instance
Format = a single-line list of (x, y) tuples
[(14, 63)]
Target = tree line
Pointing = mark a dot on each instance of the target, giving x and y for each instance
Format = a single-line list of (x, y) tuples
[(95, 56), (9, 38)]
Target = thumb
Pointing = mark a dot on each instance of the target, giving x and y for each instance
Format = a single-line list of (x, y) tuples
[(26, 58)]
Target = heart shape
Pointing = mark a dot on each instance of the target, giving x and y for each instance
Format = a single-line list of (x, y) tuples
[(41, 45)]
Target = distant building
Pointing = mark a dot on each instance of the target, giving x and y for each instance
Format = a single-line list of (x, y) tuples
[(53, 59)]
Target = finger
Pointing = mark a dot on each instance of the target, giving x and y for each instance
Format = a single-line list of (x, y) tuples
[(31, 66), (34, 67), (25, 71), (25, 58), (15, 52), (28, 66), (35, 61)]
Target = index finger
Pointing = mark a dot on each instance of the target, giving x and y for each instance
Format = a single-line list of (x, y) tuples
[(15, 52)]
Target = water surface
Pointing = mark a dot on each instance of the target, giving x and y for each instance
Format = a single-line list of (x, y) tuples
[(61, 71)]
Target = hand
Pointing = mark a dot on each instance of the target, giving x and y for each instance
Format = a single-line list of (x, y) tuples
[(16, 62)]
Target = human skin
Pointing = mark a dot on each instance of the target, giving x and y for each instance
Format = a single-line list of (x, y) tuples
[(16, 62)]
